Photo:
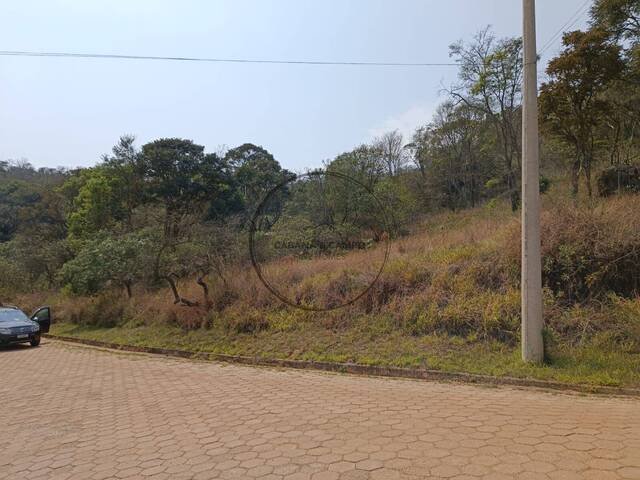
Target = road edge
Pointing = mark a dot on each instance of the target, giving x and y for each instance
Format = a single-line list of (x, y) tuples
[(362, 370)]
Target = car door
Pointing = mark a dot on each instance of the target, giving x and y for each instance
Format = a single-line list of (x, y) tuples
[(42, 317)]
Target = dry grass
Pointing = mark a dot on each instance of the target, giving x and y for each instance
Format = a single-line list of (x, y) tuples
[(458, 277), (448, 299), (588, 251)]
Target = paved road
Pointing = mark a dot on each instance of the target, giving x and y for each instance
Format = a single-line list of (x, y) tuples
[(70, 412)]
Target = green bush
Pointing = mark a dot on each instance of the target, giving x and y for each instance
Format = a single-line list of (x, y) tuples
[(545, 184), (108, 260), (619, 179)]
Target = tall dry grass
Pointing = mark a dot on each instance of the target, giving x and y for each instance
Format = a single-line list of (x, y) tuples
[(458, 276)]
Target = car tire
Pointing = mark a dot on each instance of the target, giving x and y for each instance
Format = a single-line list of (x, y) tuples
[(35, 341)]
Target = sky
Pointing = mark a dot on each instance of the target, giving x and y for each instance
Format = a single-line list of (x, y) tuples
[(69, 112)]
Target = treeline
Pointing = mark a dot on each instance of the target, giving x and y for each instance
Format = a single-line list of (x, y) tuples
[(591, 100), (168, 210), (142, 215), (589, 109)]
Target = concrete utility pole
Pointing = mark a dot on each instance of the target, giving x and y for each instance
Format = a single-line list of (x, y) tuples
[(532, 343)]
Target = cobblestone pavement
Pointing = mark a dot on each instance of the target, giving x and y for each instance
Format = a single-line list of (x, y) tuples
[(70, 412)]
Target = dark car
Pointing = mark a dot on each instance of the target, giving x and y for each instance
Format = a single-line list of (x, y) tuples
[(17, 327)]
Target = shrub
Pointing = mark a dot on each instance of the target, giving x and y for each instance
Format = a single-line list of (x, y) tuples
[(483, 315), (107, 260), (12, 280), (223, 297), (103, 311), (618, 179), (614, 321), (186, 318), (243, 321), (545, 184), (587, 252)]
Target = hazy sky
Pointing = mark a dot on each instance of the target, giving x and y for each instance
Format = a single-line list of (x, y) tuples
[(68, 112)]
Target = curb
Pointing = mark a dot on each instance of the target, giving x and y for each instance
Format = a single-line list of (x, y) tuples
[(363, 370)]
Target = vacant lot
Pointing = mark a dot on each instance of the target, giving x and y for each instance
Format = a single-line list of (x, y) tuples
[(448, 299)]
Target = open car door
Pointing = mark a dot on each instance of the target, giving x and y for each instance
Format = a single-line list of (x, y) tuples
[(42, 317)]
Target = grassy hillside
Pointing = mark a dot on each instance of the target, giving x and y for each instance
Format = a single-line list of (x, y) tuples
[(448, 299)]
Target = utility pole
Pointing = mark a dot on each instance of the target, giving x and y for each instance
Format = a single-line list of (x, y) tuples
[(531, 285)]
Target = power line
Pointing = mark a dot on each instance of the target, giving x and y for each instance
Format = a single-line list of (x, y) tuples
[(568, 24), (220, 60), (100, 56)]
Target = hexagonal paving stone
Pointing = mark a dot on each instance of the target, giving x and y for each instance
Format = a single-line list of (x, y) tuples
[(112, 416)]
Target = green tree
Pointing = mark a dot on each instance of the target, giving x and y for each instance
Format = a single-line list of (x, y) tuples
[(185, 182), (125, 164), (109, 261), (620, 18), (620, 126), (181, 177), (572, 102), (15, 196), (256, 172), (97, 205), (39, 258), (364, 164), (452, 155), (491, 83)]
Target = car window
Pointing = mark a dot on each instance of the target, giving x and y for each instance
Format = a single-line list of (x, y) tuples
[(12, 316)]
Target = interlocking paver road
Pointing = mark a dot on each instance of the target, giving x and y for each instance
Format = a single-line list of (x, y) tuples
[(70, 412)]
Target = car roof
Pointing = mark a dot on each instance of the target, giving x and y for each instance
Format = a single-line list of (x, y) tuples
[(8, 307)]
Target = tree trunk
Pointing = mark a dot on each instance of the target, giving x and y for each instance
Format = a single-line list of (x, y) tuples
[(156, 263), (514, 194), (508, 160), (174, 289), (587, 175), (127, 286), (178, 300), (205, 290), (575, 177), (50, 275)]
